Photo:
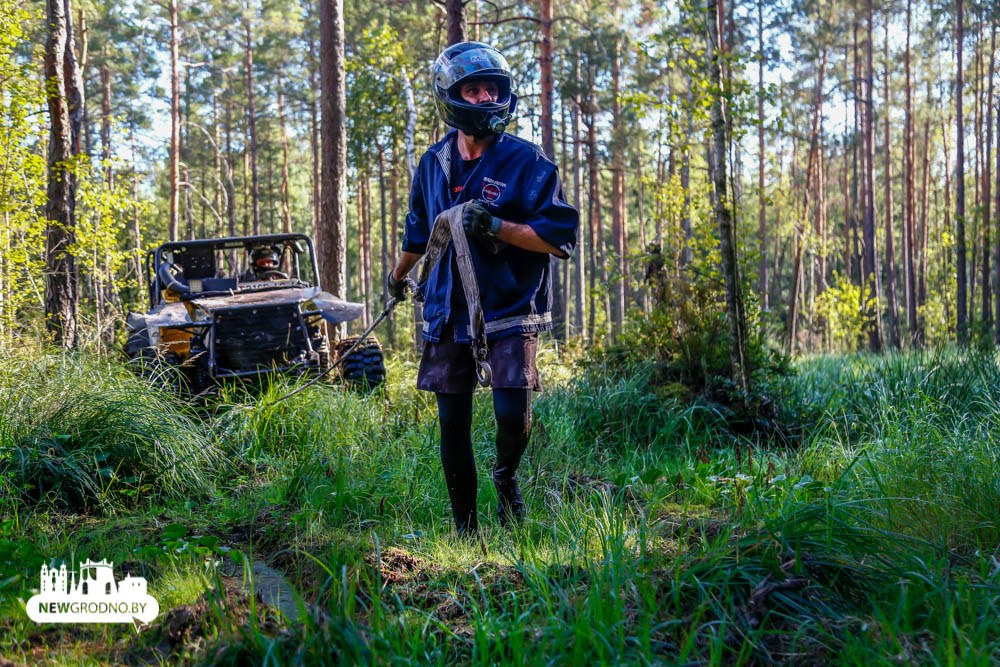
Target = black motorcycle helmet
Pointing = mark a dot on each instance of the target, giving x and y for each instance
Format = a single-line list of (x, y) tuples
[(264, 258), (463, 62)]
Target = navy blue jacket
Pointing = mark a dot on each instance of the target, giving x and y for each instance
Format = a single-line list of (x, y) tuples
[(515, 182)]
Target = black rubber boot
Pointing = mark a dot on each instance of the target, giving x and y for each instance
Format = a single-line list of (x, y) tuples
[(512, 409), (510, 504)]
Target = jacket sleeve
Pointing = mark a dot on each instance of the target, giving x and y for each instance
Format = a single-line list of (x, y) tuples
[(417, 231), (554, 220)]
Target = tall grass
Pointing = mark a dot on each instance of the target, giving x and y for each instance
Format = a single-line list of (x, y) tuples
[(654, 536), (84, 433)]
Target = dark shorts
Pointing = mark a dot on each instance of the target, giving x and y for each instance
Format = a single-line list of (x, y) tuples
[(447, 367)]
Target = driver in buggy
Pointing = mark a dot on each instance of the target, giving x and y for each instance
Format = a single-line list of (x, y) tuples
[(265, 261)]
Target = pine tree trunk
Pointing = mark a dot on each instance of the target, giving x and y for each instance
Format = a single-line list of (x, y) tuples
[(217, 190), (848, 200), (64, 88), (313, 118), (961, 273), (252, 124), (918, 338), (383, 230), (727, 236), (762, 203), (364, 256), (393, 223), (890, 250), (871, 269), (175, 121), (948, 257), (593, 217), (582, 251), (285, 209), (619, 280), (996, 261), (455, 16), (911, 215), (686, 178), (332, 237), (987, 187), (140, 275), (230, 185)]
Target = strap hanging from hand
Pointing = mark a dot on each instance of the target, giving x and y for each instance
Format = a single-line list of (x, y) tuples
[(448, 226)]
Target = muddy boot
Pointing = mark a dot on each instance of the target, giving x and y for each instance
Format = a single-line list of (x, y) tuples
[(510, 505)]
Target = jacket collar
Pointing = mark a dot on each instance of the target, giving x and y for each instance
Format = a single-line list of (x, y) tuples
[(446, 151)]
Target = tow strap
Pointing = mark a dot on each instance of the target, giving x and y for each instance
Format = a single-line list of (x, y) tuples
[(448, 227)]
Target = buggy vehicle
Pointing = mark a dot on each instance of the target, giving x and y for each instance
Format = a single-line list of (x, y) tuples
[(216, 312)]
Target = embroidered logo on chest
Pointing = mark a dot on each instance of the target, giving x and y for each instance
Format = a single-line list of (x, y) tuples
[(492, 189)]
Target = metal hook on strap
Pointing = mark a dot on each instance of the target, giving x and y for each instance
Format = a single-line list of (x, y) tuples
[(484, 374)]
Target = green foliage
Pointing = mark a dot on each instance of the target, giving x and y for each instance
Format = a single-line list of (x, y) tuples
[(840, 306), (685, 338), (22, 172)]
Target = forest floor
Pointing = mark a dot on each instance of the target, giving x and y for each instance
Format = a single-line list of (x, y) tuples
[(655, 535)]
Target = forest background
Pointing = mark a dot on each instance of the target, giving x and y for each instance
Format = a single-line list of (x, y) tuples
[(860, 139)]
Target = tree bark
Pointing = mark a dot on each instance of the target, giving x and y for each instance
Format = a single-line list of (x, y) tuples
[(581, 247), (285, 209), (619, 279), (105, 74), (230, 185), (455, 16), (175, 121), (594, 213), (364, 269), (332, 237), (987, 187), (871, 270), (251, 124), (918, 337), (217, 190), (383, 230), (911, 214), (65, 100), (548, 147), (961, 273), (313, 97), (686, 177), (996, 261), (890, 249), (727, 237), (762, 203)]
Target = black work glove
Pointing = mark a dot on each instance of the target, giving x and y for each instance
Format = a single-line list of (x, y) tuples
[(395, 288), (480, 223), (483, 226)]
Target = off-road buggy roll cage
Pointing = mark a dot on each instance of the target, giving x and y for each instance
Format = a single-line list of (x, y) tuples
[(198, 259)]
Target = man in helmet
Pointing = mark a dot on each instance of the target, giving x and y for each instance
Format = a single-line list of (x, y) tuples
[(518, 219), (265, 263)]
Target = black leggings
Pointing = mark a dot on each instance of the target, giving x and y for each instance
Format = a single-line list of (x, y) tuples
[(512, 409)]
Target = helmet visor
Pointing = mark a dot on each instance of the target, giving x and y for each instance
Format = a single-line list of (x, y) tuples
[(481, 61)]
